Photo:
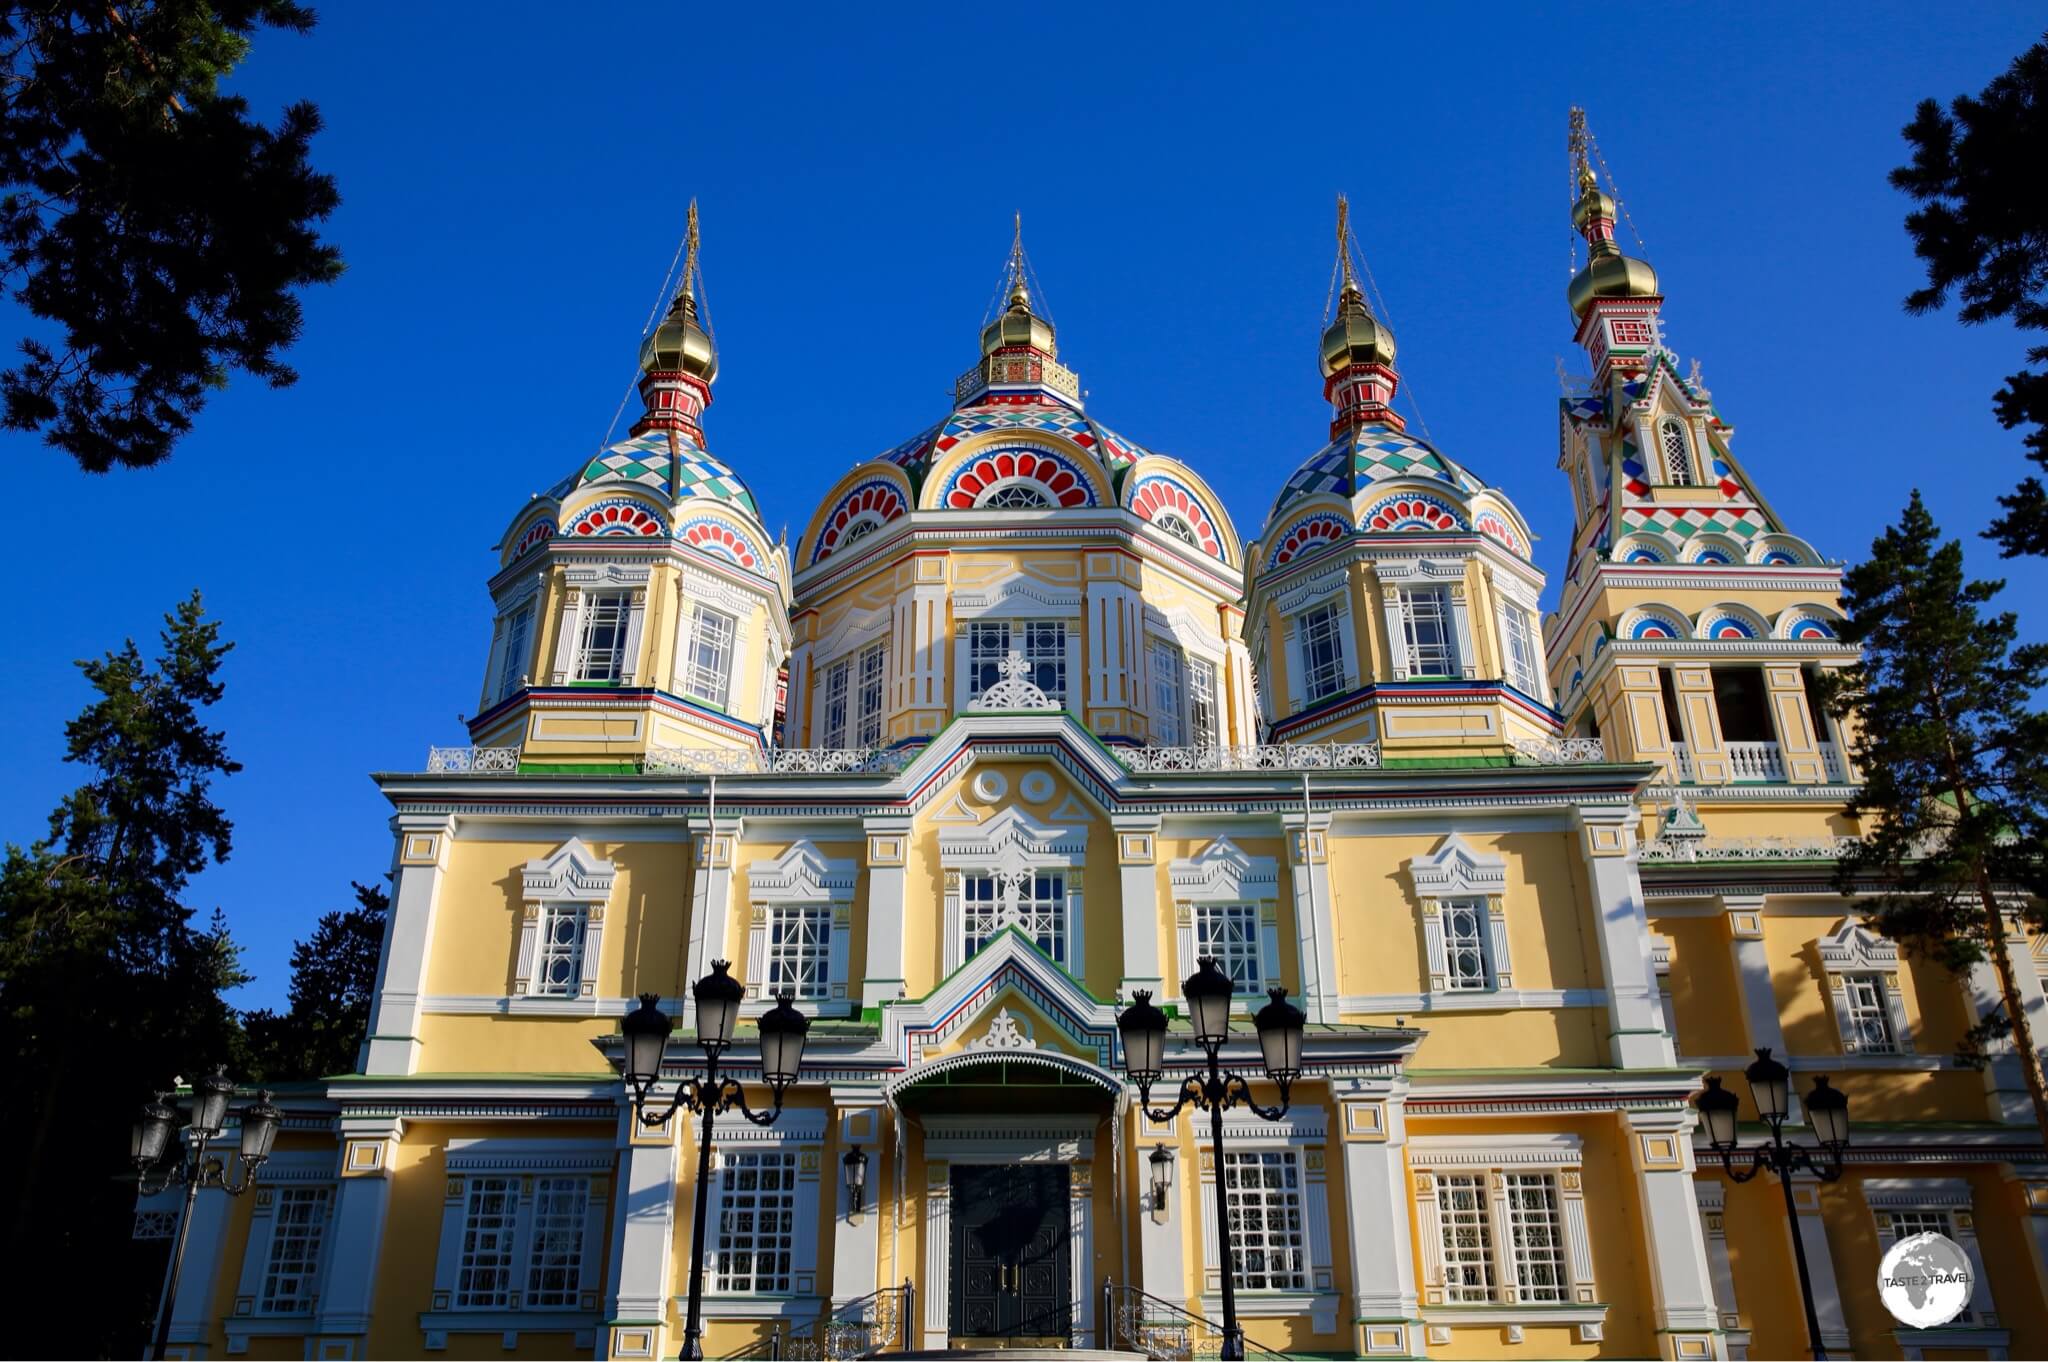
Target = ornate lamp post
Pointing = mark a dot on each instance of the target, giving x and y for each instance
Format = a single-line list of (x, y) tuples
[(718, 997), (1208, 992), (195, 1167), (1827, 1111)]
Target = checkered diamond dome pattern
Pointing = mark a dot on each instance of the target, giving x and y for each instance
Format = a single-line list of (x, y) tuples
[(645, 461), (1370, 454)]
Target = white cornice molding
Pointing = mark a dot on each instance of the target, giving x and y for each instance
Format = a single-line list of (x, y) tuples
[(803, 874), (1457, 869), (571, 873), (1222, 873)]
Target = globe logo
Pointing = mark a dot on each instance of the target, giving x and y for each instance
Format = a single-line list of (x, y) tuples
[(1925, 1280)]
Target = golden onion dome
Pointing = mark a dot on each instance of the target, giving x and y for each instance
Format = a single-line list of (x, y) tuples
[(1018, 325), (1610, 274), (680, 344), (1356, 337), (1592, 203)]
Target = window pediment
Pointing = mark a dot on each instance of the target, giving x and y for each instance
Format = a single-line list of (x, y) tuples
[(1017, 597), (1012, 841), (1853, 946), (803, 874), (572, 872), (1223, 873), (1456, 870)]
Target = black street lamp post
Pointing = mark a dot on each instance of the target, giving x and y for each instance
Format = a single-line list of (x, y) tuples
[(1827, 1111), (196, 1167), (1208, 992), (718, 997)]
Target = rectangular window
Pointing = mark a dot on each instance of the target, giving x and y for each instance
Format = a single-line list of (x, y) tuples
[(1322, 652), (707, 657), (1468, 946), (512, 667), (1467, 1229), (1041, 643), (1523, 669), (800, 951), (1036, 902), (853, 699), (1201, 703), (490, 1219), (1870, 1016), (1169, 694), (873, 671), (554, 1261), (1426, 629), (1743, 699), (755, 1222), (1536, 1237), (293, 1269), (558, 966), (1263, 1191), (1229, 932), (1928, 1220), (836, 695), (601, 643), (1673, 716)]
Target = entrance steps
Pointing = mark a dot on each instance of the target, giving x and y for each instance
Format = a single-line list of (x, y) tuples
[(1023, 1354)]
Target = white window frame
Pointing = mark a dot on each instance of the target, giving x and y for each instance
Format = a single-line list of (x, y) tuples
[(1399, 576), (562, 936), (1196, 720), (1013, 600), (800, 1132), (1333, 675), (709, 681), (513, 657), (1010, 846), (1500, 1159), (804, 878), (525, 1166), (570, 876), (1249, 1230), (1167, 665), (1301, 1134), (858, 684), (1040, 642), (1675, 466), (1889, 1199), (580, 584), (734, 1208), (1431, 606), (1456, 871), (1513, 596), (1853, 950), (1222, 875), (1464, 925), (289, 1171), (596, 606)]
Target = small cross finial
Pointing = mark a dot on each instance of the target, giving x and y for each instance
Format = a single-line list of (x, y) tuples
[(1344, 240), (1582, 166), (1019, 294)]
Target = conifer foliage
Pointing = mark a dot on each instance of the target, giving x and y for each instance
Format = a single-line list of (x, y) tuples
[(1982, 230), (334, 975), (1953, 762)]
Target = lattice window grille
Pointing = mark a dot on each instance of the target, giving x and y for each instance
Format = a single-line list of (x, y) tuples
[(1230, 933), (554, 1262), (1536, 1244), (1427, 630), (834, 707), (512, 667), (1262, 1191), (155, 1224), (1169, 694), (800, 951), (558, 966), (490, 1222), (873, 671), (291, 1271), (1521, 650), (1201, 704), (1177, 527), (1906, 1224), (755, 1223), (1034, 901), (1677, 453), (1870, 1016), (601, 641), (707, 663), (1017, 496), (1466, 1226), (1041, 643), (1467, 937), (1322, 651)]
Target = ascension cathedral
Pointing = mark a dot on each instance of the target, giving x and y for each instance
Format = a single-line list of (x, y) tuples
[(1023, 726)]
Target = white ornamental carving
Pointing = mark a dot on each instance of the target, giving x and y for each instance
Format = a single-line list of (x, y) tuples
[(1015, 690), (1003, 1034)]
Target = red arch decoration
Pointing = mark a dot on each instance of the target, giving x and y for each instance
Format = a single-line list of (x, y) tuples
[(878, 501), (1403, 513), (617, 518), (716, 537), (1313, 533), (1155, 496), (1063, 484)]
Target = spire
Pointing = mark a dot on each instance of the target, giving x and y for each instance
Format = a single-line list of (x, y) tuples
[(679, 359), (1358, 349), (1019, 349), (1608, 274)]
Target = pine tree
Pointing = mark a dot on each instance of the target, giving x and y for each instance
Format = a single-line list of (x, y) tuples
[(108, 984), (334, 974), (1952, 756), (1982, 230)]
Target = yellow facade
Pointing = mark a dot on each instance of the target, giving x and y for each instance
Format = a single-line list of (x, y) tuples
[(1019, 728)]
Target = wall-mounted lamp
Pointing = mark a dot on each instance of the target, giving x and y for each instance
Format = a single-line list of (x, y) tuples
[(855, 1168), (1162, 1181)]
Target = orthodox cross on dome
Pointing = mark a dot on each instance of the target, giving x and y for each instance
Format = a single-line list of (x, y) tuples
[(1019, 352), (679, 359), (1015, 690), (1358, 348)]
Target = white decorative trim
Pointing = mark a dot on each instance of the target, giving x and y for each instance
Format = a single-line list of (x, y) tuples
[(802, 874), (1223, 874), (495, 1154), (571, 873), (570, 876), (1014, 691), (1011, 845), (1456, 870), (1852, 948), (1004, 1033)]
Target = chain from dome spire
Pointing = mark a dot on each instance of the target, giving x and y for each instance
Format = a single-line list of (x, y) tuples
[(679, 359), (1607, 273), (1019, 348), (1358, 349)]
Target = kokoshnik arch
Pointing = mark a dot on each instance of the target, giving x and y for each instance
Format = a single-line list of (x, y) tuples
[(1021, 725)]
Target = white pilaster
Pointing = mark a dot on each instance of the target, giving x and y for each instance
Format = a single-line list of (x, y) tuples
[(1081, 1239), (1681, 1281), (1308, 875), (1743, 915), (1635, 1018), (938, 1251), (191, 1312), (362, 1201), (1374, 1129), (1710, 1195), (1820, 1267), (711, 857), (888, 851), (856, 1230), (1161, 1272), (393, 1044), (639, 1277), (1137, 841), (2032, 1190)]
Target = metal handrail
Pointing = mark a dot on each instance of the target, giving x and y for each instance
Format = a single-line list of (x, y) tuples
[(1137, 1321), (878, 1320)]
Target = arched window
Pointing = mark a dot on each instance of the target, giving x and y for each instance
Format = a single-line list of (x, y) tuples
[(1677, 452), (1178, 528), (1017, 495), (860, 529)]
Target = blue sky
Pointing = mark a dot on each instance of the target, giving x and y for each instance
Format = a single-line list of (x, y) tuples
[(514, 187)]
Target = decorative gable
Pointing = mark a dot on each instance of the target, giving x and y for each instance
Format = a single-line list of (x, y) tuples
[(1457, 870), (802, 874), (572, 872), (1222, 873)]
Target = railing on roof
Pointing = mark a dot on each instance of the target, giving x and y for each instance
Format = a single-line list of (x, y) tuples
[(776, 761), (1690, 849), (1286, 756), (472, 759), (1560, 751)]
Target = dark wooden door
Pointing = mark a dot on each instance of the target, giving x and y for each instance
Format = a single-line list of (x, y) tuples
[(1012, 1264)]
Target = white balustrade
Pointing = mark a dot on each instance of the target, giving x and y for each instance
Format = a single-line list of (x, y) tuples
[(1290, 756), (1833, 764), (1756, 761), (472, 759), (1681, 759), (1668, 849), (1560, 751), (748, 761)]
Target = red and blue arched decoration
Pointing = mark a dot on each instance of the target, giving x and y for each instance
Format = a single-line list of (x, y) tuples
[(1411, 511), (876, 500), (716, 537), (1306, 536), (617, 517), (539, 532), (1723, 624), (1063, 484), (1807, 624), (1159, 496), (1650, 625), (1495, 526)]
